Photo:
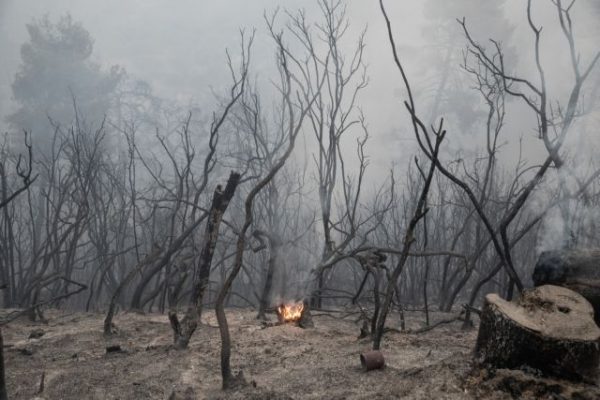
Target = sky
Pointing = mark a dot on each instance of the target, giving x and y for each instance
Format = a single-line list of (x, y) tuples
[(178, 46)]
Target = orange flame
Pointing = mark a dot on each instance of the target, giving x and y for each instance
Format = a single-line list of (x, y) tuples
[(290, 312)]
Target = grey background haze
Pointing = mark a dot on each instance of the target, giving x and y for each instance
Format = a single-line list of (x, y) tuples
[(179, 48)]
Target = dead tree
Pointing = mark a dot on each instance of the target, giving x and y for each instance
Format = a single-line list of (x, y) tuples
[(292, 113), (419, 212), (525, 91), (147, 260), (280, 218), (3, 395), (8, 195), (184, 329), (409, 239), (24, 174), (372, 262), (62, 212), (274, 244), (333, 117), (26, 181), (491, 68), (186, 180), (507, 339)]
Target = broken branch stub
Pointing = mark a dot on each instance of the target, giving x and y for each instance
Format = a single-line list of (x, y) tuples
[(549, 328)]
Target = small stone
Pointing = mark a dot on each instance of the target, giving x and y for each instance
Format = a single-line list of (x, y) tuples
[(36, 333), (25, 351)]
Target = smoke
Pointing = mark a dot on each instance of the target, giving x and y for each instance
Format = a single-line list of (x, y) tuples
[(573, 216)]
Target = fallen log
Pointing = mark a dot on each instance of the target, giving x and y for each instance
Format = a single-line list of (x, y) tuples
[(575, 269), (549, 328)]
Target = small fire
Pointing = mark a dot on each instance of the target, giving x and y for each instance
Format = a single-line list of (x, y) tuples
[(290, 312)]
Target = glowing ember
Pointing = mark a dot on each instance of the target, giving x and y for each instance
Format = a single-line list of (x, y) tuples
[(290, 312)]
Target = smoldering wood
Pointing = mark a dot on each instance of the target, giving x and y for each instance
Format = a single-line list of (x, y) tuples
[(575, 269), (549, 328)]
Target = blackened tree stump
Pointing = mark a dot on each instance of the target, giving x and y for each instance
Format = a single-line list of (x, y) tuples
[(575, 269), (549, 328)]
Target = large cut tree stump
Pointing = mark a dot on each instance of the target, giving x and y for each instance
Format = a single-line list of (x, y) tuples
[(549, 328), (575, 269)]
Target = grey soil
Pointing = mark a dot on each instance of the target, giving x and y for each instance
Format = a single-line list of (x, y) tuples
[(279, 362)]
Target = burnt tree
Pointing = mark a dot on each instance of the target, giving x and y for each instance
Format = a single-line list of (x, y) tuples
[(293, 110), (274, 249), (3, 395), (112, 307), (26, 181), (184, 329)]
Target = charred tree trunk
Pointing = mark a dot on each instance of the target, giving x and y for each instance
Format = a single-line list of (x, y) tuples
[(316, 300), (229, 380), (274, 245), (184, 329), (425, 300), (108, 324), (426, 277), (360, 288), (577, 269), (376, 299), (400, 308), (372, 263), (550, 328), (3, 395), (467, 324)]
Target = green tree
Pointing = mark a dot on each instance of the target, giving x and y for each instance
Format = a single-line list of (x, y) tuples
[(57, 69)]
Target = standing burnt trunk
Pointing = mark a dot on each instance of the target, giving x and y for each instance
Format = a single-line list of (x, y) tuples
[(112, 307), (184, 329), (373, 262), (3, 395), (549, 328), (575, 269), (274, 245)]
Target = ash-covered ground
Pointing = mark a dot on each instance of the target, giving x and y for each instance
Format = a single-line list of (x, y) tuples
[(279, 362)]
